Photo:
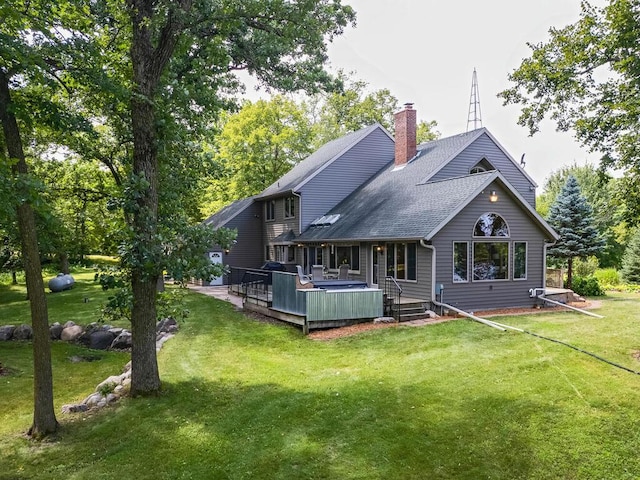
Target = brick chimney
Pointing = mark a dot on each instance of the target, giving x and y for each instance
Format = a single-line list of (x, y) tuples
[(405, 121)]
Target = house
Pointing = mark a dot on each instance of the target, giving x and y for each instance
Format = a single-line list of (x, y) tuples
[(451, 220)]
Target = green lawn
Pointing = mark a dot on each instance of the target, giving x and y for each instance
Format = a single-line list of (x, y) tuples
[(246, 400)]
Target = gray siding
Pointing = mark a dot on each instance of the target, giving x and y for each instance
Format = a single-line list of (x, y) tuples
[(280, 225), (484, 147), (344, 175), (476, 295), (247, 252)]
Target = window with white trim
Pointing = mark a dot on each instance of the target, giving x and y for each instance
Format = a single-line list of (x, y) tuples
[(490, 261), (519, 260), (289, 207), (460, 262), (491, 225)]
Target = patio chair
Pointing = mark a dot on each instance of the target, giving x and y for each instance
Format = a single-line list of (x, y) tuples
[(317, 272), (301, 275), (343, 272)]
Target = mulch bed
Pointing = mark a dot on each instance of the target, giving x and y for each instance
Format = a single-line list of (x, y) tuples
[(340, 332)]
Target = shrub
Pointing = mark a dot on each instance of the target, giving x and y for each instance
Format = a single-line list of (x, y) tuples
[(607, 277), (585, 267), (587, 286)]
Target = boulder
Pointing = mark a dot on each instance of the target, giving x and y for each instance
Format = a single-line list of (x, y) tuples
[(71, 333), (100, 340), (168, 324), (23, 332), (109, 383), (384, 320), (74, 408), (116, 331), (84, 339), (93, 399), (6, 332), (55, 331), (122, 341), (68, 324)]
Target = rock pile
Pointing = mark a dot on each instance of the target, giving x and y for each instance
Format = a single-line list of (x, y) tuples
[(98, 337)]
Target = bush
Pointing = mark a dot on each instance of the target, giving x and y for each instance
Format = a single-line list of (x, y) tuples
[(587, 286), (585, 267), (607, 277)]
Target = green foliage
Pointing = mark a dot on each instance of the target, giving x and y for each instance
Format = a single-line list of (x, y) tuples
[(607, 277), (172, 303), (631, 260), (585, 267), (608, 211), (572, 218), (584, 77), (587, 286), (458, 388)]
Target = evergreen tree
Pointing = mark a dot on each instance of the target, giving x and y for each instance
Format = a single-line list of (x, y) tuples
[(631, 260), (572, 218)]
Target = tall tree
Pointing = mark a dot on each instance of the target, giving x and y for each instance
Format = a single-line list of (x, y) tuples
[(572, 218), (585, 78), (600, 193), (631, 261), (172, 43), (258, 145)]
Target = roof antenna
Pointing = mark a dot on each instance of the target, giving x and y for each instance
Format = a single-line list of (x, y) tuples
[(475, 116), (522, 162)]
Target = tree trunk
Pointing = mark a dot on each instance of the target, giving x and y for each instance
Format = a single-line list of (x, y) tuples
[(44, 418), (148, 64), (64, 262), (569, 273)]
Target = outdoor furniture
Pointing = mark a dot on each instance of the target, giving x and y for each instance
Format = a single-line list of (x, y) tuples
[(343, 272), (301, 275), (317, 272)]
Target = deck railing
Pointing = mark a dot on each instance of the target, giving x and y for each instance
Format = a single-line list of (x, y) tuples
[(392, 294), (251, 282)]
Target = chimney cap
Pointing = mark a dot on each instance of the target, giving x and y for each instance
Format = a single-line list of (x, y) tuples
[(408, 105)]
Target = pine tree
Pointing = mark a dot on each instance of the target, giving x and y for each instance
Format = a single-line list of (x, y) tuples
[(572, 218), (631, 260)]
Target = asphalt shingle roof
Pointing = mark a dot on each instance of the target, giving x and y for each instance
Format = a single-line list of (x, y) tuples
[(395, 205), (316, 161), (221, 217)]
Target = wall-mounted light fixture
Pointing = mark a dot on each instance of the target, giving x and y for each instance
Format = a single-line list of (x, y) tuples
[(379, 248), (493, 196)]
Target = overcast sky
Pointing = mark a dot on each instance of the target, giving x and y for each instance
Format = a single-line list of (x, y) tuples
[(424, 51)]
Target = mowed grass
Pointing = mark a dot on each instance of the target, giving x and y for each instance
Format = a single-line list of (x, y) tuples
[(458, 400)]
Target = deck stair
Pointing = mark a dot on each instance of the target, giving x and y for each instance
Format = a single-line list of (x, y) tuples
[(409, 309)]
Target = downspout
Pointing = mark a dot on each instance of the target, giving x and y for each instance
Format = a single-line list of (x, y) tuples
[(433, 268), (544, 264)]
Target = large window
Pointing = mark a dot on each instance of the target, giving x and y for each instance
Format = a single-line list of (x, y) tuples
[(402, 261), (345, 255), (270, 210), (491, 225), (289, 207), (285, 253), (490, 260), (460, 262), (519, 260)]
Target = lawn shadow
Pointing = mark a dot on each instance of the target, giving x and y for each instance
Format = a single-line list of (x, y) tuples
[(200, 429)]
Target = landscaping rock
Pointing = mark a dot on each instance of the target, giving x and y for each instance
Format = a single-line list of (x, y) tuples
[(100, 340), (384, 320), (71, 333), (23, 332), (168, 324), (116, 331), (431, 314), (69, 324), (6, 332), (93, 399), (55, 331), (84, 339), (111, 398), (74, 408), (122, 341), (109, 383)]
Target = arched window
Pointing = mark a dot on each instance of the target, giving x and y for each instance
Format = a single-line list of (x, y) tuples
[(491, 225), (477, 169)]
